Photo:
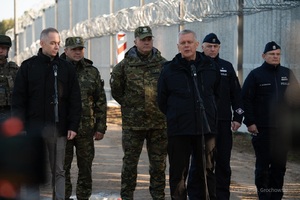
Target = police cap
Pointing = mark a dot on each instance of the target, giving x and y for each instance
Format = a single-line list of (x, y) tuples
[(270, 46), (211, 38)]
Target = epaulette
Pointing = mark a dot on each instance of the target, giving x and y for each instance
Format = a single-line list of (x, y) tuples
[(88, 61)]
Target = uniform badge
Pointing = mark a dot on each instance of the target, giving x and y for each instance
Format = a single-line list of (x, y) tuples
[(274, 47), (284, 80), (145, 30), (78, 40), (223, 72)]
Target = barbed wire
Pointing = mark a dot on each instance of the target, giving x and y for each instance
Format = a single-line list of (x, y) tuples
[(159, 13)]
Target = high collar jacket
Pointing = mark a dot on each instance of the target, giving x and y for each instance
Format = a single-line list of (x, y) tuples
[(264, 90), (33, 94), (178, 99)]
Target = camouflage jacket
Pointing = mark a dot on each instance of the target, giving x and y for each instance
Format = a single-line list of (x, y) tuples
[(8, 73), (134, 86), (94, 104)]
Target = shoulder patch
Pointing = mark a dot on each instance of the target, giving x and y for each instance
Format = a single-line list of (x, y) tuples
[(239, 111)]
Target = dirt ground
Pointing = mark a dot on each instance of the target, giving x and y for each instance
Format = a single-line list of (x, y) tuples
[(108, 161)]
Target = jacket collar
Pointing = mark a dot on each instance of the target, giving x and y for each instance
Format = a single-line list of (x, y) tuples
[(200, 60), (46, 58), (269, 66)]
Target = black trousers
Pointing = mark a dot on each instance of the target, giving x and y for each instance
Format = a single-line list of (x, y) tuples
[(183, 150), (271, 149), (4, 113), (223, 155)]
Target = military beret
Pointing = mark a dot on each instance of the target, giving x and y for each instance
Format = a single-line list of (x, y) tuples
[(211, 38), (74, 42), (270, 46), (142, 32)]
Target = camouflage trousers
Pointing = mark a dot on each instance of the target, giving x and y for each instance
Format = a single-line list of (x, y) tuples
[(85, 153), (156, 143)]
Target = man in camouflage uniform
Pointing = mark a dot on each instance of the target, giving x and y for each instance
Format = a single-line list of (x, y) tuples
[(134, 86), (93, 119), (8, 71)]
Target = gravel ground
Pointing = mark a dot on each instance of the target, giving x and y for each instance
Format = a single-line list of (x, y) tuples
[(108, 161)]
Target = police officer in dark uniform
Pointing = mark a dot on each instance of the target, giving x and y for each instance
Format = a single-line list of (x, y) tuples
[(230, 114), (8, 71), (264, 92)]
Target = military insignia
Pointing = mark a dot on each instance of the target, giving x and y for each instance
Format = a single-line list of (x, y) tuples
[(239, 111), (78, 40), (274, 47), (145, 30), (214, 40)]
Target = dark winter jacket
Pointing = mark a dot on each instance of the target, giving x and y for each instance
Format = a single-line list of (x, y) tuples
[(177, 97), (33, 94), (230, 93), (263, 92)]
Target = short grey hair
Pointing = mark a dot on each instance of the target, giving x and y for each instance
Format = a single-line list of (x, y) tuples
[(46, 31), (184, 32)]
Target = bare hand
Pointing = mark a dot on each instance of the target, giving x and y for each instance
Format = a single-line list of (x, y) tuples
[(71, 134), (253, 129), (235, 125), (98, 136)]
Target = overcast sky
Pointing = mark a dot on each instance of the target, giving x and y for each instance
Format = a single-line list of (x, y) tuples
[(7, 9)]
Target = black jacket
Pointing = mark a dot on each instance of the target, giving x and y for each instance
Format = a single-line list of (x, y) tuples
[(177, 95), (33, 94), (230, 93), (264, 92)]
